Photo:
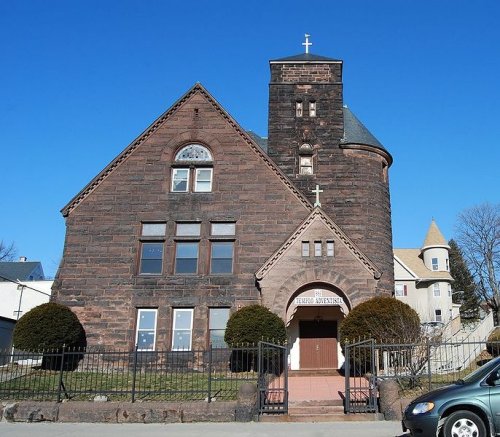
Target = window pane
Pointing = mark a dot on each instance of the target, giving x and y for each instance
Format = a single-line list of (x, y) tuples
[(145, 340), (194, 152), (182, 319), (182, 340), (187, 250), (153, 229), (147, 319), (180, 177), (222, 258), (218, 318), (203, 181), (305, 248), (223, 228), (188, 229), (151, 258), (186, 265), (317, 248), (222, 250), (330, 248), (222, 266), (306, 160), (217, 338)]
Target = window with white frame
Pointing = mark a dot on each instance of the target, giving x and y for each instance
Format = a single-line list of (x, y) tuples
[(447, 265), (145, 338), (312, 109), (449, 291), (306, 165), (437, 290), (330, 248), (199, 159), (435, 264), (217, 321), (299, 111), (222, 237), (400, 290), (438, 316), (182, 329), (317, 248), (305, 248)]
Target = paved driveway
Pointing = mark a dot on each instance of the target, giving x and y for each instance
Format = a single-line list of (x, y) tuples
[(335, 429)]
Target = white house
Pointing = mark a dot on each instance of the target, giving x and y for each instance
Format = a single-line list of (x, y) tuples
[(422, 278), (22, 287)]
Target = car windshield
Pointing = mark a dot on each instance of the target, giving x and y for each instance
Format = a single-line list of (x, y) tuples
[(480, 372)]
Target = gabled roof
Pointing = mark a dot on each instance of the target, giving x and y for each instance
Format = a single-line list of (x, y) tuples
[(196, 89), (318, 213), (20, 270), (412, 260), (356, 133), (261, 141), (306, 57), (434, 237)]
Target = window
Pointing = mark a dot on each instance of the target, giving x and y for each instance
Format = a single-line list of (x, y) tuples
[(188, 229), (151, 258), (449, 290), (435, 264), (447, 265), (198, 158), (154, 229), (182, 329), (221, 260), (312, 109), (317, 248), (438, 316), (298, 109), (146, 329), (217, 321), (186, 257), (203, 180), (305, 248), (437, 290), (330, 248), (180, 180), (400, 290), (223, 229), (306, 165)]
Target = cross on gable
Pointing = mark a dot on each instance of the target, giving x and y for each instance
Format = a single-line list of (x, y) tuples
[(317, 191), (307, 43)]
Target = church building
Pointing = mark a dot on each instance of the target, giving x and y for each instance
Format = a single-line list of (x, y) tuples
[(197, 218)]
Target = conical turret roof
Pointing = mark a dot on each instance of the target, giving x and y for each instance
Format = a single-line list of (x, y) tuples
[(434, 236)]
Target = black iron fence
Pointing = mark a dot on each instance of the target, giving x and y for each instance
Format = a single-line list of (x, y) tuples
[(127, 375), (417, 367)]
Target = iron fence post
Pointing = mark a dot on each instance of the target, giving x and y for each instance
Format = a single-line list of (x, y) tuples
[(134, 373), (61, 369), (347, 368), (429, 372), (210, 373)]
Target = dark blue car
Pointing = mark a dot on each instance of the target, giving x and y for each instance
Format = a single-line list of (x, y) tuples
[(468, 408)]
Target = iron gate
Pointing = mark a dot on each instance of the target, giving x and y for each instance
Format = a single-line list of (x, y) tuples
[(273, 378), (360, 377)]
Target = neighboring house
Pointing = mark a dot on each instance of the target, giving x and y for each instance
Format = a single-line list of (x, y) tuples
[(422, 278), (22, 287), (197, 218)]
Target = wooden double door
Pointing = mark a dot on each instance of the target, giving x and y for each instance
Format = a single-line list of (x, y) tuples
[(318, 344)]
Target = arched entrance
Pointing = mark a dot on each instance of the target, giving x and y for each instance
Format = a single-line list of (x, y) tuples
[(313, 316)]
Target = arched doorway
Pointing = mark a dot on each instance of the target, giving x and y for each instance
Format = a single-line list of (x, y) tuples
[(313, 316)]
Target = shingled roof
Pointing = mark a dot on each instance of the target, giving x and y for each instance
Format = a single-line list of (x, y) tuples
[(22, 271), (434, 236)]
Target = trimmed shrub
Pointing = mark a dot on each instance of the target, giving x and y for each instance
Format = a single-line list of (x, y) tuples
[(385, 319), (252, 324), (493, 343), (248, 326), (49, 327)]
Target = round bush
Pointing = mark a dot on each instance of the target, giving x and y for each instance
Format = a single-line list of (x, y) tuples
[(252, 324), (385, 319), (47, 328)]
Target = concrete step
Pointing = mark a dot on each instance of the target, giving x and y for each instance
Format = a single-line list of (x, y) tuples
[(360, 417), (314, 372), (316, 410)]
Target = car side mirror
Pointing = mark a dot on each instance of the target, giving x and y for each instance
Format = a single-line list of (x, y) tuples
[(494, 378)]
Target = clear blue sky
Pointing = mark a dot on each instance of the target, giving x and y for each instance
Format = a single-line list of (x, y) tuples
[(81, 79)]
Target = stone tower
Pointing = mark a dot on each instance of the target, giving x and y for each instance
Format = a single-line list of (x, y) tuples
[(315, 139)]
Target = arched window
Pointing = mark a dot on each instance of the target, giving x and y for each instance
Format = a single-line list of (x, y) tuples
[(192, 170)]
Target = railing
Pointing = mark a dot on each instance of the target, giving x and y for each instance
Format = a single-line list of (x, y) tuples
[(127, 375)]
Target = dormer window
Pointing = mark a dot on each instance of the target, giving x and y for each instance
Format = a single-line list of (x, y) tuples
[(299, 109), (192, 170), (306, 165), (312, 109)]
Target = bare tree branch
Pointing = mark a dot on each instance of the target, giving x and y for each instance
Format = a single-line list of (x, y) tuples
[(7, 251)]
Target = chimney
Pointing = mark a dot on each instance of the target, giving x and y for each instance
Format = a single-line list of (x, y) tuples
[(23, 259)]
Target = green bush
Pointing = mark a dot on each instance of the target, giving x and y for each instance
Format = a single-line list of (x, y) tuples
[(49, 327), (252, 324), (493, 343), (385, 319)]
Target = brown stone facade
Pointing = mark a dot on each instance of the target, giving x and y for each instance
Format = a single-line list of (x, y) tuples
[(263, 194)]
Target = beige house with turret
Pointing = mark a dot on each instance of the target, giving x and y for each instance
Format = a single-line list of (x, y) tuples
[(422, 278)]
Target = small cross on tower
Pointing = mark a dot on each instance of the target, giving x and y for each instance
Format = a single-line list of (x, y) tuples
[(317, 191), (307, 43)]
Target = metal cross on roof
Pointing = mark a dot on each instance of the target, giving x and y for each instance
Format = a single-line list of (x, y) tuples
[(317, 191), (307, 43)]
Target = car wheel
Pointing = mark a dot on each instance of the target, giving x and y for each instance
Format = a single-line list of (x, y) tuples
[(464, 424)]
